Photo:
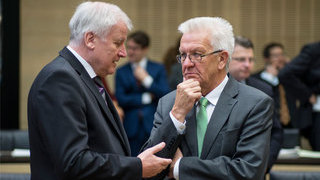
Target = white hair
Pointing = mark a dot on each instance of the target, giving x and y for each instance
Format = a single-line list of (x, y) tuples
[(96, 17), (221, 31)]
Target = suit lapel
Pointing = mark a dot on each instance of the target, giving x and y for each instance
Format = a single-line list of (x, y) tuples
[(220, 115), (191, 132), (119, 124), (91, 85)]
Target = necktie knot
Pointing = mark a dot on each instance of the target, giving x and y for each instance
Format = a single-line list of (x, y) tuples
[(204, 102), (99, 84), (97, 80)]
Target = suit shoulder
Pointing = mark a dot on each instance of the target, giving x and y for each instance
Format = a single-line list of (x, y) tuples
[(155, 63), (123, 67), (251, 92), (261, 85)]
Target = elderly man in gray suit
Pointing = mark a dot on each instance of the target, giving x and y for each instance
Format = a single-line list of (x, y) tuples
[(214, 126)]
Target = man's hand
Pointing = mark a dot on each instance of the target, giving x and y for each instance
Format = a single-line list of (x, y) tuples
[(140, 73), (188, 92), (177, 156), (151, 164)]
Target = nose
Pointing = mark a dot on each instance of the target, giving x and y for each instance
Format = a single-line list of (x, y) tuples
[(122, 51), (187, 62), (246, 62)]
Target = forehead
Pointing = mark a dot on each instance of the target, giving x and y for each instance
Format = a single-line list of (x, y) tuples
[(195, 40), (276, 49), (242, 51), (118, 31), (131, 42)]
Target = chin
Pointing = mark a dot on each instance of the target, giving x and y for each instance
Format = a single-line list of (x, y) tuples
[(192, 77)]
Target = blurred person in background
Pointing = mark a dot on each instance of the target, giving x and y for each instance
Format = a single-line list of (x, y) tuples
[(301, 79), (139, 85), (275, 59), (173, 68)]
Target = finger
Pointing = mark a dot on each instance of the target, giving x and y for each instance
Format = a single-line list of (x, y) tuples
[(157, 147), (165, 162), (194, 89)]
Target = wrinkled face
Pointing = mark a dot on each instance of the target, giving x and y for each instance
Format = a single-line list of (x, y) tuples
[(205, 71), (242, 63), (108, 50), (277, 57), (135, 51)]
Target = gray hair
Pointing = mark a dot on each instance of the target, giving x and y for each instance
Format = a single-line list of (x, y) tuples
[(221, 31), (96, 17)]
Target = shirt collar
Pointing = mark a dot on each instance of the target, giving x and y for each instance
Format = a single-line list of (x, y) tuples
[(142, 63), (214, 95), (84, 63)]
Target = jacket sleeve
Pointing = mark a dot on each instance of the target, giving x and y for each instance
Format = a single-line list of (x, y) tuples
[(164, 131), (290, 76)]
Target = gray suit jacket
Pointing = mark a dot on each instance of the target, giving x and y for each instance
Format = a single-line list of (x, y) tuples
[(73, 133), (236, 144)]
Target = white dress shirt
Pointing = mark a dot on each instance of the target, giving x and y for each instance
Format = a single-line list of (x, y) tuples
[(147, 82), (84, 63)]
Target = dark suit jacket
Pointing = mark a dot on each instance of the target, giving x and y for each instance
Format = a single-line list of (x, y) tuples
[(236, 144), (276, 130), (301, 78), (73, 133), (139, 116)]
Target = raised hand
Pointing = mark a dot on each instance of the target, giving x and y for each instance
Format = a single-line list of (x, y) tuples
[(151, 164), (140, 73), (188, 92)]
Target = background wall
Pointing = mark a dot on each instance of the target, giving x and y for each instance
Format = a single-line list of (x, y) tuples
[(44, 27)]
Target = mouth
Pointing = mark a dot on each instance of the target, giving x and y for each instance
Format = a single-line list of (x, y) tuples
[(115, 61), (190, 75)]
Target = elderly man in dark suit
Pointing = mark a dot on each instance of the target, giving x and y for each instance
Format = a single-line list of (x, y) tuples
[(214, 126), (75, 131), (240, 68), (301, 79)]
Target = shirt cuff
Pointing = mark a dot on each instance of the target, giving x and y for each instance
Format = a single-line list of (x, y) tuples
[(146, 98), (179, 126), (176, 169), (147, 82)]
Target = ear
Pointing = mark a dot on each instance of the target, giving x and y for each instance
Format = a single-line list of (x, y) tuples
[(89, 40), (223, 59)]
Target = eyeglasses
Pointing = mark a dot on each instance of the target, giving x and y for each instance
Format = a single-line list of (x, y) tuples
[(194, 58), (243, 59)]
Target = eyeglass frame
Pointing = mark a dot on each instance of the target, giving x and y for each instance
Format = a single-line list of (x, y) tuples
[(179, 56)]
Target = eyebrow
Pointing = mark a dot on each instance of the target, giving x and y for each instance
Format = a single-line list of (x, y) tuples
[(194, 50)]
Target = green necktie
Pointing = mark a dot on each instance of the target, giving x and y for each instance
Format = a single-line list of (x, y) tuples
[(202, 122)]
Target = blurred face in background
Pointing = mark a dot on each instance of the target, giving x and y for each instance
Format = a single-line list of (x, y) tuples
[(242, 63), (277, 57), (135, 51)]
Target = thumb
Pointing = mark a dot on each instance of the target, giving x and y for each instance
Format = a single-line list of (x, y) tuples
[(157, 147)]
